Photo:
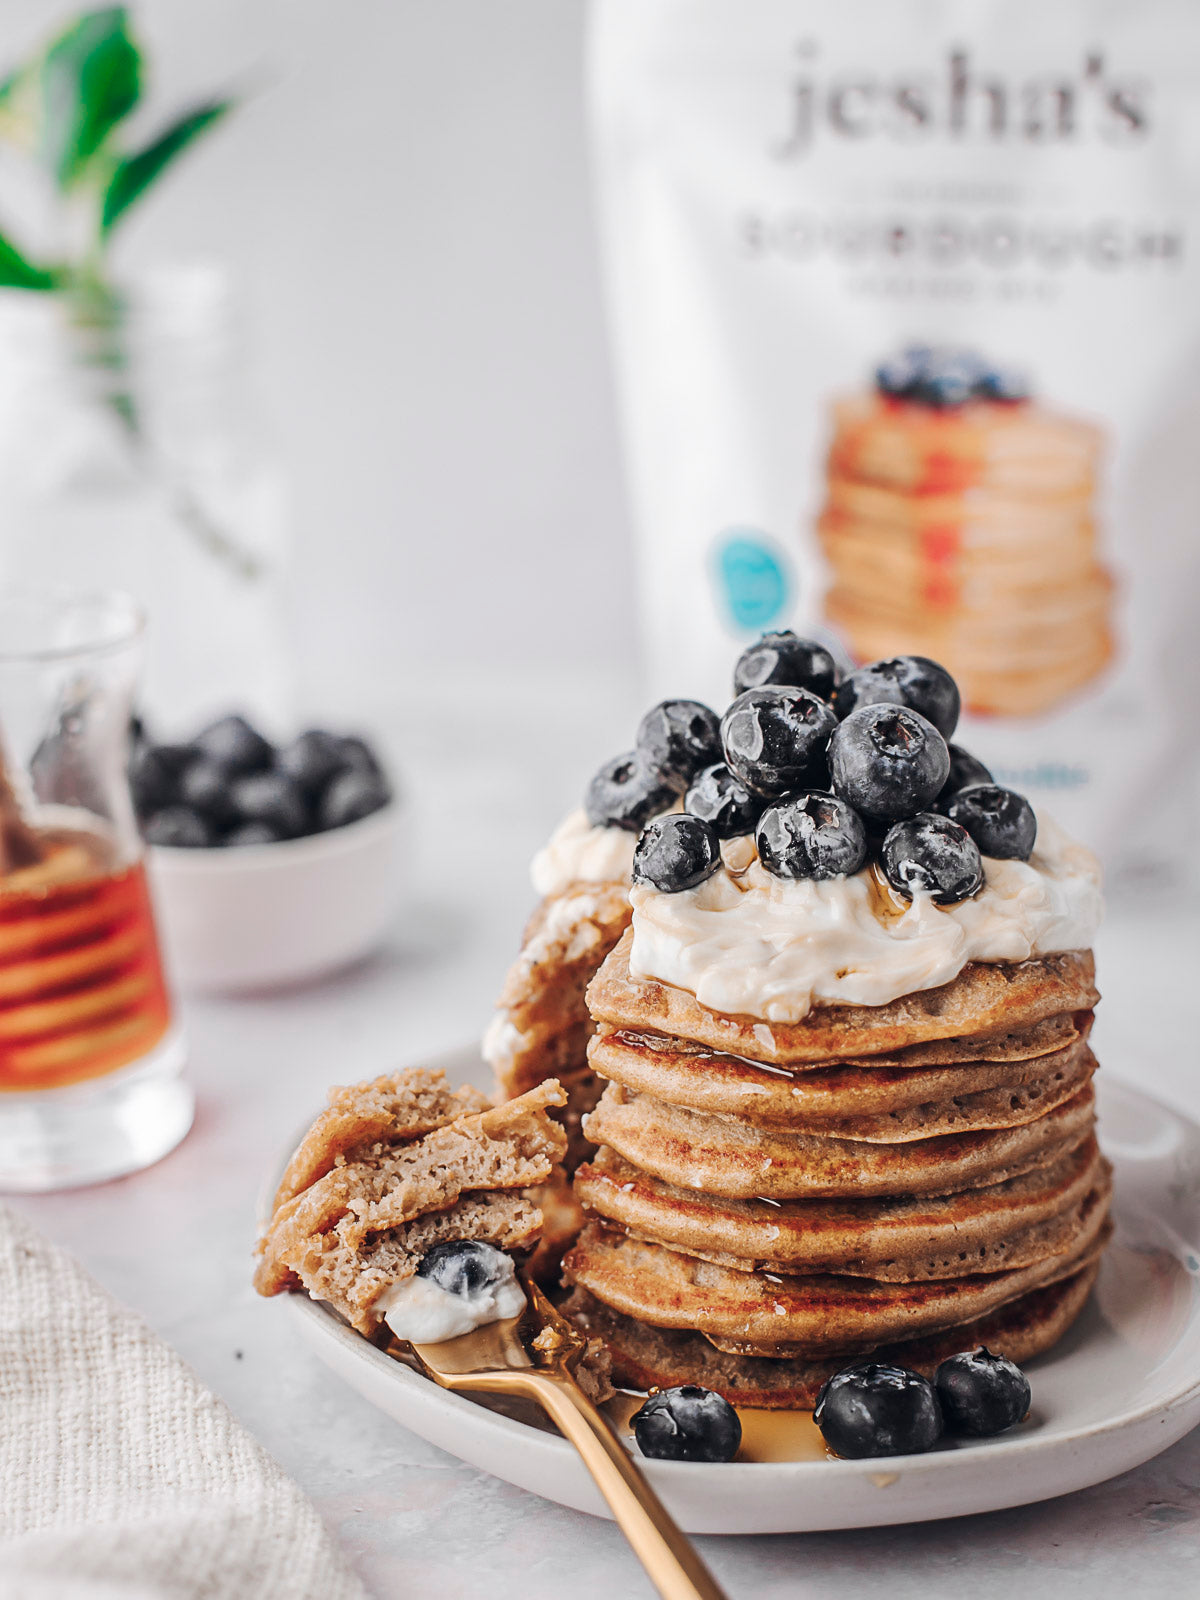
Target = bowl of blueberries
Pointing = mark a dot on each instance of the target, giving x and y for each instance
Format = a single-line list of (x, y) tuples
[(270, 863)]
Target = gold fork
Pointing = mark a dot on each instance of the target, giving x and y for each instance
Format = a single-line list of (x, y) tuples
[(534, 1356)]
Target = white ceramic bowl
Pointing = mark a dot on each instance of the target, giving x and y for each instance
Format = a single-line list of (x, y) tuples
[(257, 916)]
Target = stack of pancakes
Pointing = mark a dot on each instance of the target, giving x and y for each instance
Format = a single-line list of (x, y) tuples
[(771, 1200), (966, 534)]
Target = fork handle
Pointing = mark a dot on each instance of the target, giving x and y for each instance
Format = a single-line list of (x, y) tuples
[(666, 1553)]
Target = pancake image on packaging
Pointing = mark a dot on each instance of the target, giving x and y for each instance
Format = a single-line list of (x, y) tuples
[(862, 1100), (965, 533), (985, 998)]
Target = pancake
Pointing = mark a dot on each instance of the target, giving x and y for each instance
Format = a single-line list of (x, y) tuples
[(985, 998), (812, 1315), (725, 1156), (646, 1357), (541, 1025), (893, 1239), (866, 1101), (984, 520)]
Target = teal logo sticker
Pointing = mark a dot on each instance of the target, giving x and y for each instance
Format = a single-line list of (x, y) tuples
[(751, 578)]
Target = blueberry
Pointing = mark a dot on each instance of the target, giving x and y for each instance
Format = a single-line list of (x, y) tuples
[(235, 744), (999, 383), (251, 833), (720, 798), (900, 375), (312, 759), (775, 739), (687, 1424), (887, 762), (1001, 822), (678, 738), (627, 792), (273, 798), (981, 1393), (676, 852), (154, 773), (878, 1410), (811, 836), (352, 795), (206, 787), (179, 827), (464, 1266), (913, 681), (965, 772), (358, 753), (932, 854), (783, 658)]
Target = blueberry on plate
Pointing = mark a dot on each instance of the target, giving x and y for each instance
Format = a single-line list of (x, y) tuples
[(678, 738), (899, 376), (251, 833), (811, 835), (180, 828), (273, 798), (887, 762), (687, 1424), (233, 743), (626, 792), (913, 681), (776, 737), (876, 1409), (932, 855), (1001, 821), (676, 852), (464, 1266), (312, 759), (965, 772), (784, 658), (724, 801), (206, 787), (154, 773), (352, 795), (981, 1393)]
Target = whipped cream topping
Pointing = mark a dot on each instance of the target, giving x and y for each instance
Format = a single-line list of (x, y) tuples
[(422, 1311), (578, 853), (748, 943)]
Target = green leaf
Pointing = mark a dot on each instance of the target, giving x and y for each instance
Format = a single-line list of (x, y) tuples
[(18, 273), (91, 79), (134, 175)]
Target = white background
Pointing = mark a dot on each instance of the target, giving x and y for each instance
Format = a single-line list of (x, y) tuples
[(403, 199)]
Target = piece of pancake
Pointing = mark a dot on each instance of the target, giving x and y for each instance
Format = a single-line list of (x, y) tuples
[(897, 1238), (724, 1156), (861, 1101), (811, 1315), (350, 1231), (985, 998), (646, 1357), (541, 1027)]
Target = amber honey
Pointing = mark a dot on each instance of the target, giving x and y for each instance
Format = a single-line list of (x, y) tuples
[(81, 982)]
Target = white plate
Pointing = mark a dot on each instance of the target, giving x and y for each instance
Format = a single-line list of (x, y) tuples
[(1122, 1386)]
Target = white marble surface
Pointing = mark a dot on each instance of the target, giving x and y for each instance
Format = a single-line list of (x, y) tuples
[(175, 1241)]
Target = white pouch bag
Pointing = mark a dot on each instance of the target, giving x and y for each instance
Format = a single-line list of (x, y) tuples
[(995, 204)]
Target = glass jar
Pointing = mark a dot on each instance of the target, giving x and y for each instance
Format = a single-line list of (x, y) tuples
[(90, 1054), (130, 458)]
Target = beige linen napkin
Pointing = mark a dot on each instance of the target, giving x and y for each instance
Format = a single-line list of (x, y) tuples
[(121, 1476)]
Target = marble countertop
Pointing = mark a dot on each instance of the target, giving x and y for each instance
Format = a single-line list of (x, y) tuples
[(175, 1241)]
